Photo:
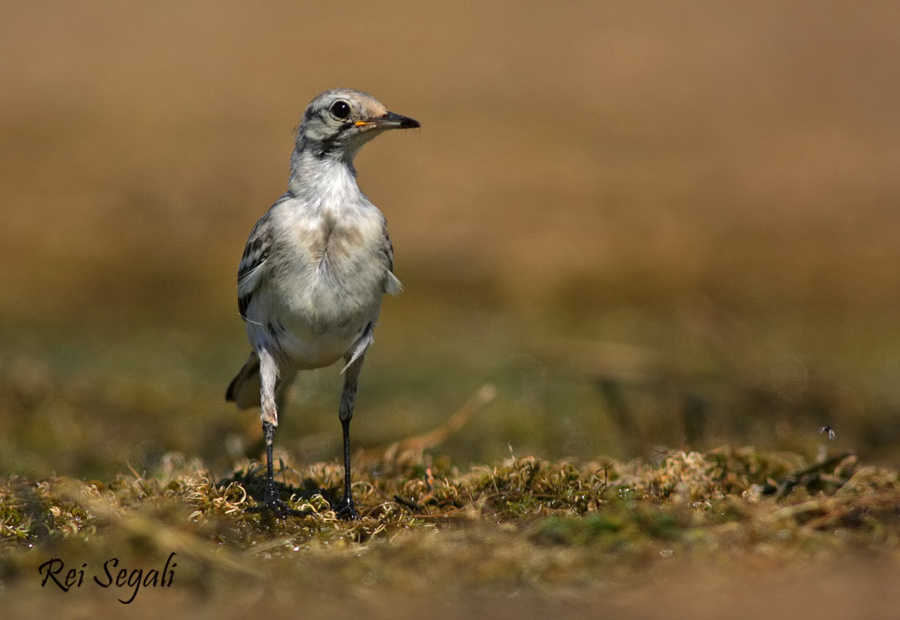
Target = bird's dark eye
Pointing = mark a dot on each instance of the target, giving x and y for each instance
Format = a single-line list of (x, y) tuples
[(340, 109)]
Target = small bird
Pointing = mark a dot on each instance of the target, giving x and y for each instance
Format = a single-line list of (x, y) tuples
[(314, 270)]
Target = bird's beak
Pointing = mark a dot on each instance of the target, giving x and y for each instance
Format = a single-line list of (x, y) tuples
[(388, 120)]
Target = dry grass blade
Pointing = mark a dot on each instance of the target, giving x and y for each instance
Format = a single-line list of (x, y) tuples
[(437, 436)]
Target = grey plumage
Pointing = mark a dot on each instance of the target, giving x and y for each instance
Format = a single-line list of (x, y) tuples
[(315, 267)]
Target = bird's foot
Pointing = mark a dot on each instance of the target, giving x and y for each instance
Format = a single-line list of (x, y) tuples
[(276, 506), (346, 510)]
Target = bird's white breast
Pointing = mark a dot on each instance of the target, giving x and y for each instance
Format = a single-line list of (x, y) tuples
[(328, 272)]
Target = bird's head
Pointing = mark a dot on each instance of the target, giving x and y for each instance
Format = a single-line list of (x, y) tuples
[(338, 122)]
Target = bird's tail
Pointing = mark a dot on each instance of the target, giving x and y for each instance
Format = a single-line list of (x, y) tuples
[(244, 388)]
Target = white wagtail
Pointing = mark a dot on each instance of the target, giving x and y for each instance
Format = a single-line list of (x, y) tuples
[(314, 270)]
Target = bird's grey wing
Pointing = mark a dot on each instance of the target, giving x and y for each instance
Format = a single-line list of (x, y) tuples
[(253, 262), (392, 285)]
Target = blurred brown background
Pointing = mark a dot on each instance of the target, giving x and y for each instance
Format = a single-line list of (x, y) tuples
[(646, 224)]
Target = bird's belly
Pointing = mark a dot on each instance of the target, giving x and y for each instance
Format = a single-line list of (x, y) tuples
[(310, 350), (314, 322)]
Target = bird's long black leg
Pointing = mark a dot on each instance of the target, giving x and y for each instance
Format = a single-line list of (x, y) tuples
[(268, 371), (271, 490), (345, 508)]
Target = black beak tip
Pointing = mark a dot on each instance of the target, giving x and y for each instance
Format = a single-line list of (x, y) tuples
[(401, 122)]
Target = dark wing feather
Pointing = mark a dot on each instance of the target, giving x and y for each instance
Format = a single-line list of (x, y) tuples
[(392, 285), (256, 252)]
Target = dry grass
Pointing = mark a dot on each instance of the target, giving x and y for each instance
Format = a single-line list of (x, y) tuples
[(566, 534)]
